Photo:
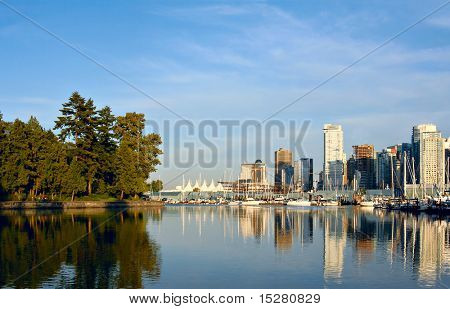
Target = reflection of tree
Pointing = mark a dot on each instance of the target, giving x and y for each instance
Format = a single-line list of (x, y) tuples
[(118, 253)]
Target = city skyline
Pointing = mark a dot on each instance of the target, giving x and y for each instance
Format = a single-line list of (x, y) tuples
[(256, 57)]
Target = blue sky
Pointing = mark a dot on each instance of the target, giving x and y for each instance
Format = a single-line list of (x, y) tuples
[(235, 60)]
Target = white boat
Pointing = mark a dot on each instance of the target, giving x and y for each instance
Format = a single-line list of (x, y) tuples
[(234, 203), (330, 203), (299, 203), (367, 204), (250, 202)]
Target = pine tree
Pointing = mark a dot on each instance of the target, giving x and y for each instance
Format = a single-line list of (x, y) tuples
[(78, 122), (74, 182), (126, 180), (2, 147), (106, 146), (16, 174), (142, 149), (94, 152)]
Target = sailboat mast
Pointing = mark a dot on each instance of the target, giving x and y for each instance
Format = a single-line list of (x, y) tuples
[(404, 173), (392, 176)]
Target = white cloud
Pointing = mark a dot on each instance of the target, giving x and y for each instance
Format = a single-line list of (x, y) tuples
[(441, 22)]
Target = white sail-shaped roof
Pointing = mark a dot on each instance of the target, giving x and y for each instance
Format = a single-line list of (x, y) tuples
[(196, 185), (188, 187), (212, 187), (219, 188), (204, 187)]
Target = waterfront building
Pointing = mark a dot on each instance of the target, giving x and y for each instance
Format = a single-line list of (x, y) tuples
[(320, 181), (334, 157), (385, 161), (428, 154), (364, 151), (363, 162), (307, 174), (253, 176), (284, 170), (303, 175)]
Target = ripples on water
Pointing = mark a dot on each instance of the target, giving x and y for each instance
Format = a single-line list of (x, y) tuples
[(223, 247)]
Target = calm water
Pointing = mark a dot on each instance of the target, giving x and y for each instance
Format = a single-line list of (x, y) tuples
[(223, 247)]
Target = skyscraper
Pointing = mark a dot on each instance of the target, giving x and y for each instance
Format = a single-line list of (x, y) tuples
[(364, 156), (254, 172), (333, 163), (284, 170), (428, 154), (306, 174)]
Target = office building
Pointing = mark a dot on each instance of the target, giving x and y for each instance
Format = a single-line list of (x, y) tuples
[(428, 153), (253, 176), (284, 170), (334, 157), (303, 174), (363, 162)]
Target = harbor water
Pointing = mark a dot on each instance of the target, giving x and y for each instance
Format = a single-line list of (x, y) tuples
[(224, 247)]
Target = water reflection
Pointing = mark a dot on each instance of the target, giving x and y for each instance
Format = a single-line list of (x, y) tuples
[(415, 244), (117, 253), (264, 246)]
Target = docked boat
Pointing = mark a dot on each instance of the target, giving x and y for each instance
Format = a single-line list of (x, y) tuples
[(235, 203), (250, 202), (329, 203), (298, 203), (367, 204)]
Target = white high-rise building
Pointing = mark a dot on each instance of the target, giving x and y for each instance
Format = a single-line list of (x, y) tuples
[(334, 156), (429, 154)]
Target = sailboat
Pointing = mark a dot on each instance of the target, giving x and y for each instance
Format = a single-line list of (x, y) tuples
[(296, 202)]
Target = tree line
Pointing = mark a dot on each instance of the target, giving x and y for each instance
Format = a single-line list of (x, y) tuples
[(90, 151)]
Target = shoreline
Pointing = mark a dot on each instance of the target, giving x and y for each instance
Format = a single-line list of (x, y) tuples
[(17, 205)]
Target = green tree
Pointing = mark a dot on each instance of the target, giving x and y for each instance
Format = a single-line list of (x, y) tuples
[(142, 150), (15, 172), (126, 180), (106, 145), (54, 168), (2, 147), (74, 182), (78, 122), (156, 185)]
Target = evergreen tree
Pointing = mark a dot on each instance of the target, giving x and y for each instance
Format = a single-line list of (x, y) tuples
[(15, 178), (125, 167), (142, 149), (54, 167), (94, 152), (2, 147), (37, 143), (78, 122), (156, 185), (105, 148), (74, 181)]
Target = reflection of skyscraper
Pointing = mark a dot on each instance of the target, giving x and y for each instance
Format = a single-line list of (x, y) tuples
[(434, 253), (284, 170), (334, 157), (334, 245), (253, 223), (284, 226)]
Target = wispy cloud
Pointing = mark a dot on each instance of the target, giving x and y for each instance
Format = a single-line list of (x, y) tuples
[(441, 22)]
